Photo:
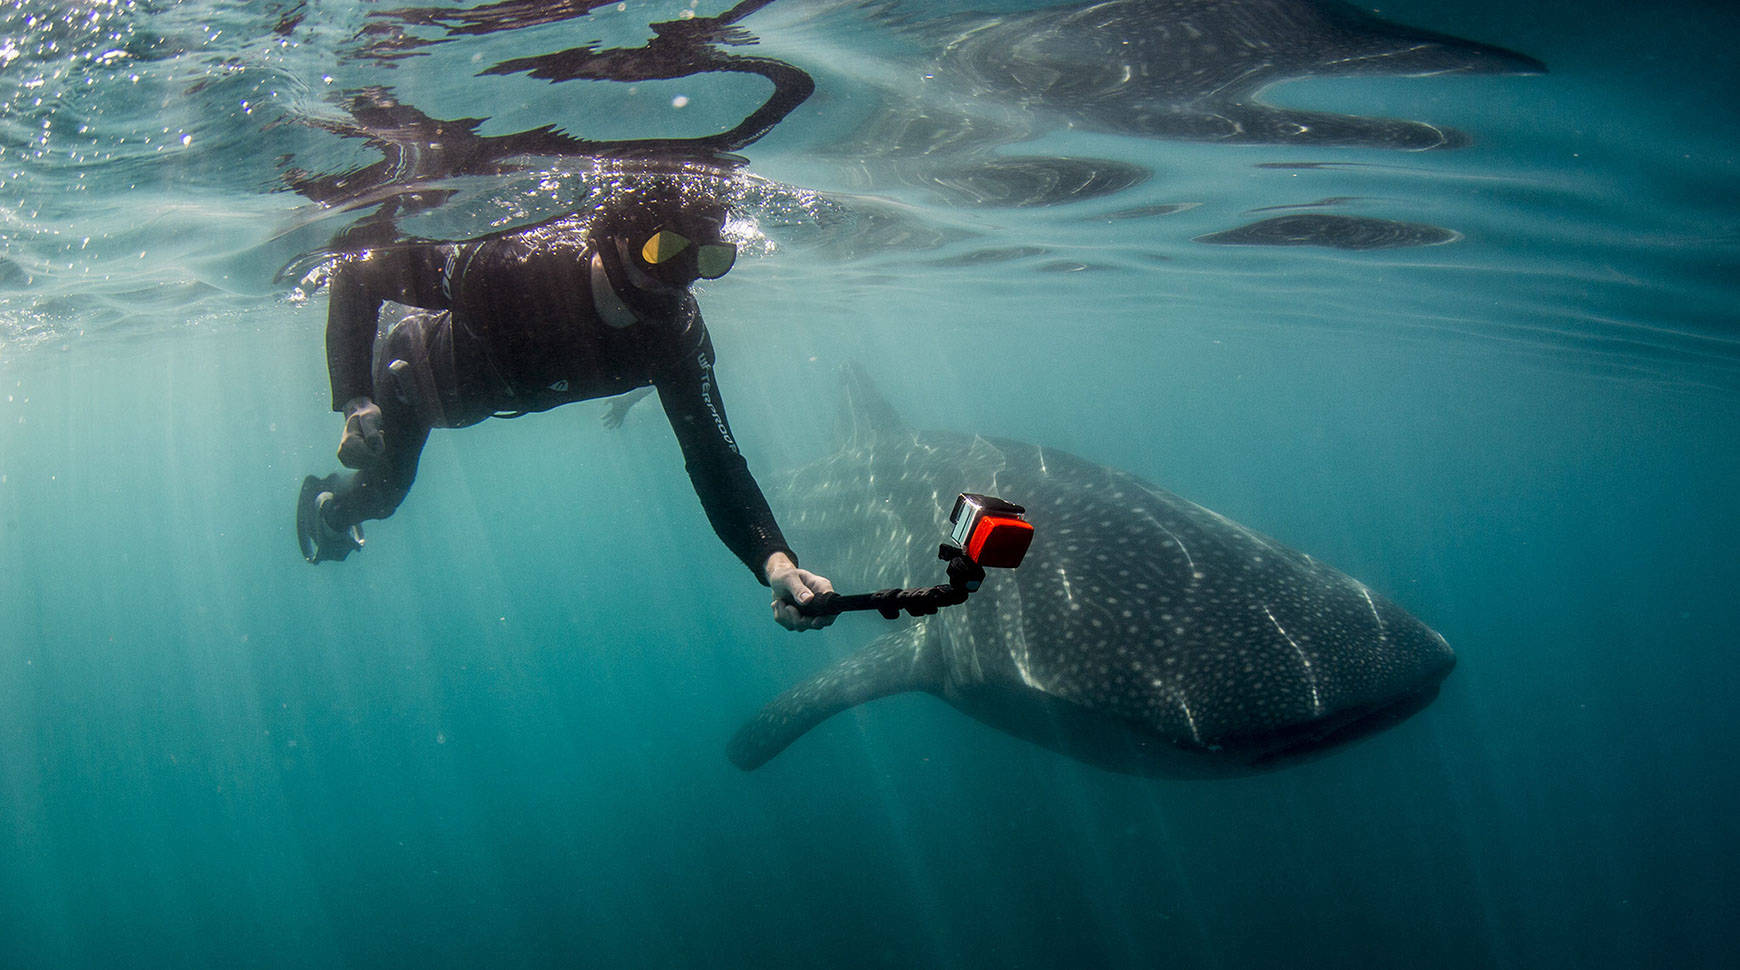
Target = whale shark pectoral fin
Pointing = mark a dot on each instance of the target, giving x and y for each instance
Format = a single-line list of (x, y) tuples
[(892, 664)]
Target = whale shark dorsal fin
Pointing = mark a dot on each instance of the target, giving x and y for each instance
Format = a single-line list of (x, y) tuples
[(893, 663), (865, 415)]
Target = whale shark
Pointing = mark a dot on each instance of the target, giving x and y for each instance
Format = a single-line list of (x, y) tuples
[(1143, 634)]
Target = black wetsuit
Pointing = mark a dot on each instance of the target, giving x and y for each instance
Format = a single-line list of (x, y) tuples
[(512, 329)]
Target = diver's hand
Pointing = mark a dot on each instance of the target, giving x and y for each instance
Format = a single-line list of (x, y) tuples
[(363, 444), (620, 405), (793, 585)]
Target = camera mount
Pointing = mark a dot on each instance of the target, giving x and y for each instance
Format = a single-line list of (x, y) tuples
[(985, 531)]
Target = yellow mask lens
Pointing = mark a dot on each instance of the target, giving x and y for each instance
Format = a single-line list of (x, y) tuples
[(663, 245)]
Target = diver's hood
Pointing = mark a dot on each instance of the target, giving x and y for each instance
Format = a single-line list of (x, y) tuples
[(646, 305)]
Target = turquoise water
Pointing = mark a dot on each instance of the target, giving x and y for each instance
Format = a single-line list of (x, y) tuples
[(496, 736)]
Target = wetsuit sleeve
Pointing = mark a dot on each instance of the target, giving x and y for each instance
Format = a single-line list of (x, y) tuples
[(729, 494), (412, 275)]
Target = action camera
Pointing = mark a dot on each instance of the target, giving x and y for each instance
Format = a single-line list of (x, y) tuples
[(990, 531)]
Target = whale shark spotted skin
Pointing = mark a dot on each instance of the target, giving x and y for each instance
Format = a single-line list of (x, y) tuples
[(1143, 634)]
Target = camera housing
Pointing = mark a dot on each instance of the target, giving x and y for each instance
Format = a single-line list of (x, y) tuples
[(989, 531)]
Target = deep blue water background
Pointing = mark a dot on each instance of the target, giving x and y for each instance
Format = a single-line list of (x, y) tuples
[(496, 737)]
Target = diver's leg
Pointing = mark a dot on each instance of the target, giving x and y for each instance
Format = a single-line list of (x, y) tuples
[(331, 510), (376, 491)]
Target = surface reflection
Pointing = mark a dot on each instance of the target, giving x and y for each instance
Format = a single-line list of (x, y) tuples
[(1332, 232), (1190, 70)]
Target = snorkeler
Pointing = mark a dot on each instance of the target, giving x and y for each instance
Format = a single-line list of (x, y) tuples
[(526, 320)]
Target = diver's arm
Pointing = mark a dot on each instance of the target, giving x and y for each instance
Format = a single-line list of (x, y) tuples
[(350, 333), (408, 274), (729, 494)]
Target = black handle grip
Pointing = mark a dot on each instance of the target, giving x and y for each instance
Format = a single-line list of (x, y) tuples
[(888, 602), (833, 604)]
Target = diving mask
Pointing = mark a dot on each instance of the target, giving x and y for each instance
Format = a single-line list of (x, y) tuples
[(712, 259)]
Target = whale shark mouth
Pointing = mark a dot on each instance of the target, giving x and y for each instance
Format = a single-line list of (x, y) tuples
[(1301, 742)]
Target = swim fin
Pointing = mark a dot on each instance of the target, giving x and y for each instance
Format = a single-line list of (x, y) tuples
[(321, 542)]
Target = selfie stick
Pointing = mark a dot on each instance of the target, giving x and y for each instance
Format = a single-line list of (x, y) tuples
[(985, 531)]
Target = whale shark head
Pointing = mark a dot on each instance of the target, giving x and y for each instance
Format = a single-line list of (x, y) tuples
[(1143, 633)]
